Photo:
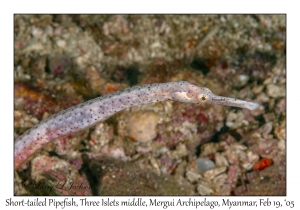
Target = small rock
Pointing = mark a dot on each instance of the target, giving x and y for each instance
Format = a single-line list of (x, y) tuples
[(257, 89), (238, 146), (266, 128), (219, 181), (210, 148), (251, 159), (211, 174), (241, 80), (193, 176), (281, 145), (235, 120), (280, 131), (100, 137), (204, 189), (141, 126), (180, 152), (275, 91), (220, 160), (204, 164), (262, 97)]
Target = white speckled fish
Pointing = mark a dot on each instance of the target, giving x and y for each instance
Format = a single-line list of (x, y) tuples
[(87, 114)]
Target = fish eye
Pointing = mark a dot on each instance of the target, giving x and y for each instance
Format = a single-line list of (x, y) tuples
[(203, 98)]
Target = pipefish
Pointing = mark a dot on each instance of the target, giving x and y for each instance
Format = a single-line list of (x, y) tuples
[(91, 112)]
